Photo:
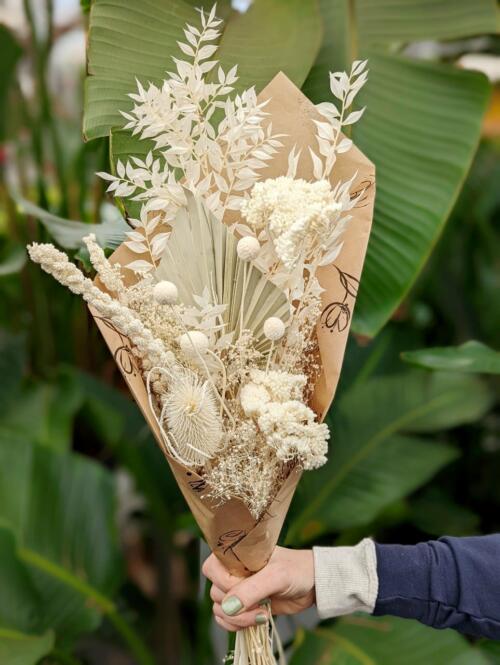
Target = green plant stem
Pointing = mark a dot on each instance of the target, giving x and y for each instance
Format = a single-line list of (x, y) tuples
[(104, 605), (36, 148)]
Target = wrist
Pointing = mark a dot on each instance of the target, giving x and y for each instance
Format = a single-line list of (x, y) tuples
[(345, 579)]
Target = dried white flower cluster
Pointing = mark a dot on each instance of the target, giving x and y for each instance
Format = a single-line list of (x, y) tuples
[(289, 426), (229, 376), (299, 218), (246, 469)]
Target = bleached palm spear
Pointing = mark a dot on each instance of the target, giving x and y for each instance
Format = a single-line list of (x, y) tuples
[(201, 253)]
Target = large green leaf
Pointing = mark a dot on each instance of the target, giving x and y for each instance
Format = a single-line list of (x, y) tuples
[(385, 21), (435, 513), (371, 463), (351, 26), (20, 603), (383, 641), (69, 234), (421, 128), (137, 40), (21, 610), (44, 412), (20, 649), (491, 650), (49, 501), (272, 36), (472, 357)]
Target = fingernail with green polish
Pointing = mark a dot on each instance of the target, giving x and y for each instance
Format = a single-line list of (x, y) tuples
[(266, 601), (260, 619), (231, 605)]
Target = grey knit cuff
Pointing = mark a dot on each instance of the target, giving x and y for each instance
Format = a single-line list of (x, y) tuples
[(346, 579)]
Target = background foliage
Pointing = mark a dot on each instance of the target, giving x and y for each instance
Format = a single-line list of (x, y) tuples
[(99, 557)]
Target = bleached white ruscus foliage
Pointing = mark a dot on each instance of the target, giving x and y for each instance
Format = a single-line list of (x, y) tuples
[(218, 159), (212, 140), (331, 143)]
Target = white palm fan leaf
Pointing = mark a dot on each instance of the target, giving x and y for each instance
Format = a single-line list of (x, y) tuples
[(201, 253)]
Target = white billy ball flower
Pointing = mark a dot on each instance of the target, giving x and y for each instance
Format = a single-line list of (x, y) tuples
[(248, 248), (165, 293), (274, 328), (193, 343)]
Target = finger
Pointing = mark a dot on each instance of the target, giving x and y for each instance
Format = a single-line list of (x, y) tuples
[(251, 591), (218, 575), (225, 625), (244, 620), (216, 594)]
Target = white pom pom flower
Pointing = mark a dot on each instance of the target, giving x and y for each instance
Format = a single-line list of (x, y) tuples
[(248, 248), (274, 328), (193, 343), (165, 293)]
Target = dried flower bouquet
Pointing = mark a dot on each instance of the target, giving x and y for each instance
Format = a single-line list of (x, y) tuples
[(221, 303)]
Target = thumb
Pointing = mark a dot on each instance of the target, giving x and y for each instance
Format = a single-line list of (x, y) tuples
[(253, 590)]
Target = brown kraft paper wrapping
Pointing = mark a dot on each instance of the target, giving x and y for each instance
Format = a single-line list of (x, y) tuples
[(243, 544)]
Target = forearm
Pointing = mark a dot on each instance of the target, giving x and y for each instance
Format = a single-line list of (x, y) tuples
[(449, 583)]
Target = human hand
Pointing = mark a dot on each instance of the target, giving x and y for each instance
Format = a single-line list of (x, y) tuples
[(287, 581)]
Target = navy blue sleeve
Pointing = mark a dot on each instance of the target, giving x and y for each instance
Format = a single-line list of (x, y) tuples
[(446, 583)]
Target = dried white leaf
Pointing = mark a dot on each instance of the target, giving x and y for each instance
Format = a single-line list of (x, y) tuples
[(328, 110), (317, 165), (106, 176), (354, 116), (335, 86), (344, 145), (206, 51), (140, 266), (185, 48), (136, 247)]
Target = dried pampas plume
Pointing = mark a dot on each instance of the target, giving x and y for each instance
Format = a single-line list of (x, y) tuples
[(192, 418)]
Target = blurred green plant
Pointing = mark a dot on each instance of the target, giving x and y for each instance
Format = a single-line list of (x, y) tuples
[(414, 451), (472, 357), (382, 641)]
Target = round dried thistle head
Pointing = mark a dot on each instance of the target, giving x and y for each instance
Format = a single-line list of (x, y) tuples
[(193, 420)]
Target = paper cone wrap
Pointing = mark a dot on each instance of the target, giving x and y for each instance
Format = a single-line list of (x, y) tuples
[(241, 542)]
